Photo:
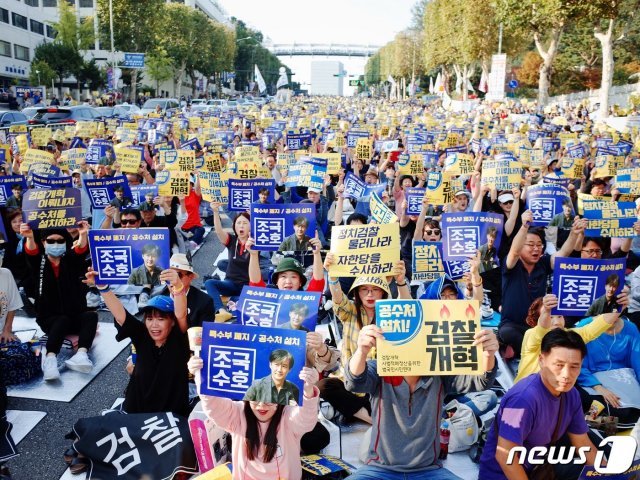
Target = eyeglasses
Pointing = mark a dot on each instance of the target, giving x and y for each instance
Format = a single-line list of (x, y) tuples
[(508, 202), (593, 251), (128, 221), (432, 232), (534, 246), (51, 241)]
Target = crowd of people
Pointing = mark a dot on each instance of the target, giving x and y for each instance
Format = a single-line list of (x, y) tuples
[(556, 361)]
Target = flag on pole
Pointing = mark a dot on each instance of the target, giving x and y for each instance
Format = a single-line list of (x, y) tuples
[(262, 86), (439, 86), (283, 81), (484, 82), (469, 86)]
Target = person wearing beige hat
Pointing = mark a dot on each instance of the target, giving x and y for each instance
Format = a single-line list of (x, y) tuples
[(199, 304)]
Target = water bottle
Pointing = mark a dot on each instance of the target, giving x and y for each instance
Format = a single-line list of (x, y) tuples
[(444, 440)]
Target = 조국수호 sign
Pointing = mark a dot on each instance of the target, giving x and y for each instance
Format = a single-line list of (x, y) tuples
[(242, 193), (428, 337), (272, 224), (464, 233), (269, 307)]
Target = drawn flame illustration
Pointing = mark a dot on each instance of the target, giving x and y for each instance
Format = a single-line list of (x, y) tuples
[(470, 312), (444, 313)]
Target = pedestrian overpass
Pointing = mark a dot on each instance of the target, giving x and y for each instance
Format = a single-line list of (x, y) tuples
[(321, 50)]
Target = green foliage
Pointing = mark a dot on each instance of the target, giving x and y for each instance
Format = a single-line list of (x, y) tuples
[(62, 59), (70, 31), (41, 73), (158, 65), (92, 75)]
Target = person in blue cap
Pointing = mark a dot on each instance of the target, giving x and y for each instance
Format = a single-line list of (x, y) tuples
[(162, 347)]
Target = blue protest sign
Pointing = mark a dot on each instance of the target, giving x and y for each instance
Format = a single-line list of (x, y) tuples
[(414, 196), (6, 185), (248, 362), (546, 201), (307, 172), (550, 144), (464, 233), (271, 225), (192, 144), (129, 255), (578, 283), (353, 186), (101, 190), (133, 60), (40, 181), (52, 208), (578, 150), (140, 192), (269, 307), (426, 261), (559, 180), (100, 152), (513, 84), (609, 219), (430, 158), (353, 136), (242, 193), (298, 141)]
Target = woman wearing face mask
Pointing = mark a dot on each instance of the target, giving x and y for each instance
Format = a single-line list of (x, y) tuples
[(266, 436), (61, 304)]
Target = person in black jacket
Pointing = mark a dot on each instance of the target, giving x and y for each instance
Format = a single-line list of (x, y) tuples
[(199, 304), (61, 304)]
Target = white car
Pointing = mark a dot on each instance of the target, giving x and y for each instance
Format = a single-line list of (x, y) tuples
[(165, 104)]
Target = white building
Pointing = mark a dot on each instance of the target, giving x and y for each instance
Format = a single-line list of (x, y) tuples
[(24, 25), (325, 79)]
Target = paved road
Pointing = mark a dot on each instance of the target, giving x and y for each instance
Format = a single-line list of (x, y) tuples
[(41, 450)]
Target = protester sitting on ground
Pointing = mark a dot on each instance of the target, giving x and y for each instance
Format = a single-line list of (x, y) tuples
[(61, 304), (15, 260), (540, 319), (406, 424), (524, 277), (540, 410), (618, 348), (266, 436), (192, 228), (162, 348), (237, 273)]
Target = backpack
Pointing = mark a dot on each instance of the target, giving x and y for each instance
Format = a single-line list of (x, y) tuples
[(18, 363)]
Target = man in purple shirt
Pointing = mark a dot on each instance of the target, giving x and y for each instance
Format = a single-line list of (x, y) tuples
[(538, 409)]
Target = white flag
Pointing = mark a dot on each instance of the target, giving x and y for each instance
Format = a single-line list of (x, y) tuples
[(261, 85), (391, 80), (484, 82), (439, 86), (431, 89), (469, 86), (283, 81)]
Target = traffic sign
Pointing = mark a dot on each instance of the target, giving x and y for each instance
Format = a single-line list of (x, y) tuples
[(355, 83), (513, 84)]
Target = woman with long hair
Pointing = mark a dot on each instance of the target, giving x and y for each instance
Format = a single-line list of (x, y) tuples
[(265, 436)]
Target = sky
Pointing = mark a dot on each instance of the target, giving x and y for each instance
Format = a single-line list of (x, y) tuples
[(358, 22)]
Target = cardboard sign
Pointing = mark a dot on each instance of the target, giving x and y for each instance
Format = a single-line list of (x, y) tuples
[(172, 183), (438, 189), (119, 255), (237, 362), (52, 208), (269, 307), (444, 329), (369, 250)]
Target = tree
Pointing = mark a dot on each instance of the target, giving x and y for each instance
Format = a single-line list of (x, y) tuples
[(62, 59), (159, 67), (41, 73), (529, 70), (137, 24), (72, 32), (92, 75)]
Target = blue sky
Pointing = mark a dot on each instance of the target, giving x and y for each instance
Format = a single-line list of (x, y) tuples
[(363, 22)]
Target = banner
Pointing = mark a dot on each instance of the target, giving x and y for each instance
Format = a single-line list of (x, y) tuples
[(273, 224), (609, 219), (426, 261), (52, 208), (380, 213), (438, 189), (269, 307), (444, 329), (414, 197), (369, 250), (40, 181), (237, 363), (501, 175), (464, 233), (172, 183), (101, 190), (546, 201), (125, 255), (242, 193), (578, 282), (7, 183)]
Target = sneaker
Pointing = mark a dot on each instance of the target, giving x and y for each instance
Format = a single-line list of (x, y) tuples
[(50, 368), (143, 300), (80, 363), (93, 300)]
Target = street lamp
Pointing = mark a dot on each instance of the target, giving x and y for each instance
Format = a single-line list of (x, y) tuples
[(38, 73)]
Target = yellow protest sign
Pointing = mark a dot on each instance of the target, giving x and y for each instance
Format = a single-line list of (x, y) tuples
[(195, 122), (365, 250), (73, 158), (334, 162), (167, 158), (40, 136), (247, 153), (22, 143), (18, 129), (605, 166), (566, 137), (427, 263), (438, 189), (212, 163), (125, 135), (364, 150), (128, 159), (173, 182), (339, 141), (501, 174), (33, 155), (443, 329), (186, 161), (284, 160), (85, 129), (572, 167), (410, 164), (213, 186), (380, 213), (459, 164), (244, 170)]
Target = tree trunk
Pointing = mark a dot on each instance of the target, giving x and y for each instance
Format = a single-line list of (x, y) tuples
[(458, 72), (194, 84), (606, 43), (179, 82), (134, 80), (548, 56), (466, 71)]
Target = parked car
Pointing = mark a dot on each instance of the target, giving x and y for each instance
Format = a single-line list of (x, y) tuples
[(11, 117), (216, 102), (198, 101), (165, 104), (79, 113), (30, 111)]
